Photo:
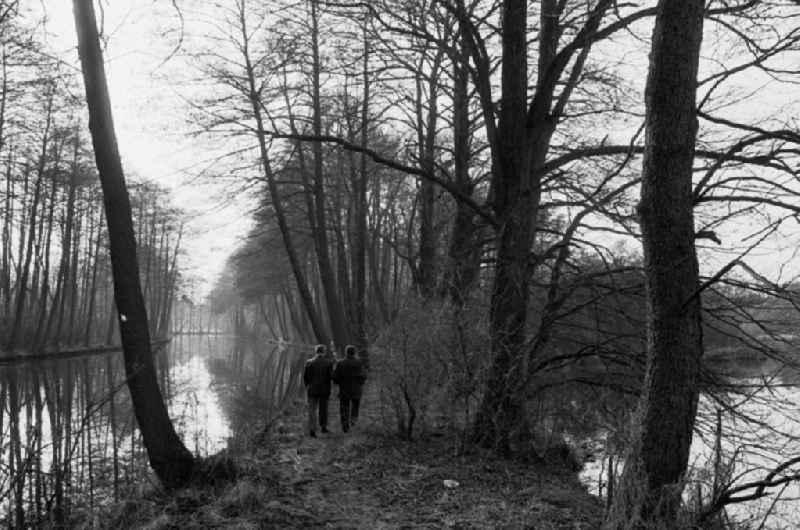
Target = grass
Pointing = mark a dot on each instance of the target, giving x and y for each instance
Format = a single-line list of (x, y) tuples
[(365, 479)]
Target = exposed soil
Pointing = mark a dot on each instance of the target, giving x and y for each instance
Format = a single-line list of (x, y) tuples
[(370, 479)]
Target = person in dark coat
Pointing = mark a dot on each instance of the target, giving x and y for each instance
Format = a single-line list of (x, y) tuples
[(349, 375), (317, 379)]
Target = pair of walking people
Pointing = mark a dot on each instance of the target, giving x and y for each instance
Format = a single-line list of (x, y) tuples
[(319, 374)]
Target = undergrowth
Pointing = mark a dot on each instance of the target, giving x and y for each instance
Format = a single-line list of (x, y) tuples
[(362, 479)]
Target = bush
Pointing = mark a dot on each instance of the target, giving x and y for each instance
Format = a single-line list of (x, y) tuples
[(428, 363)]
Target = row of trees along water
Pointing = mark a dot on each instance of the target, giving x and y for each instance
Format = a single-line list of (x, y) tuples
[(55, 274), (453, 184), (70, 442), (67, 435), (456, 185)]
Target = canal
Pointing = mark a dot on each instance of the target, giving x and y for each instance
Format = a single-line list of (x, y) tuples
[(68, 438)]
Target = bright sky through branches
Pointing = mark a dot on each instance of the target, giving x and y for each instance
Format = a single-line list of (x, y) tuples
[(149, 89), (150, 116)]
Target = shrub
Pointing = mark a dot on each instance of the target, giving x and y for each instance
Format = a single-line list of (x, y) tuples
[(427, 364)]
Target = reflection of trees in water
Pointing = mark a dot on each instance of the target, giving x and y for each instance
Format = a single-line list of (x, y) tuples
[(748, 424), (192, 393), (259, 379), (67, 438)]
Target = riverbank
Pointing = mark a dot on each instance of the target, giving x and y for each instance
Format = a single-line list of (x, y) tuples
[(64, 354), (368, 479)]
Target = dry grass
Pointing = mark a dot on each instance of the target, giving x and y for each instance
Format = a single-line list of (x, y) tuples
[(365, 479)]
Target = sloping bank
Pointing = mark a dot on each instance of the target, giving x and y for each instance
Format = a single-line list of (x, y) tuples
[(367, 479)]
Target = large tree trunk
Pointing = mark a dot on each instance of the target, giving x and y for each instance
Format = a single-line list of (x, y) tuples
[(519, 146), (651, 481), (170, 459), (502, 409)]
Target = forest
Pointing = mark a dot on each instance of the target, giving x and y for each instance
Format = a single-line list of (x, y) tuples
[(560, 235)]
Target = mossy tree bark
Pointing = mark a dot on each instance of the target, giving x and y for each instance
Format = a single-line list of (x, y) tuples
[(169, 458)]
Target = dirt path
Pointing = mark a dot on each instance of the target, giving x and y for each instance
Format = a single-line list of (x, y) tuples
[(369, 479), (332, 474)]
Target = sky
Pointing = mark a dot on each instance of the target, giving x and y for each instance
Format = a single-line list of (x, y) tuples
[(150, 114), (153, 131)]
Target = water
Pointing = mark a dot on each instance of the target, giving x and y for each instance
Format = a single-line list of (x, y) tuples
[(759, 428), (68, 438), (195, 403)]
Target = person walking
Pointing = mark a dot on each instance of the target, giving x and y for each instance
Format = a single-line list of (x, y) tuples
[(317, 379), (349, 375)]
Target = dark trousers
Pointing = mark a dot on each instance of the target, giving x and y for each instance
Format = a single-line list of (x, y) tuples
[(317, 406), (348, 411)]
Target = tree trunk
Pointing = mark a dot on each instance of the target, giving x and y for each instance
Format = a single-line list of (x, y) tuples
[(339, 328), (650, 488), (92, 291), (66, 250), (71, 286), (519, 148), (5, 264), (502, 409), (341, 223), (301, 280), (22, 277), (360, 214), (465, 251), (171, 287), (5, 279), (427, 267), (42, 333), (169, 458)]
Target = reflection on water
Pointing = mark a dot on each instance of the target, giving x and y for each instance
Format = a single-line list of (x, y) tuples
[(759, 429), (195, 407), (68, 439), (756, 427)]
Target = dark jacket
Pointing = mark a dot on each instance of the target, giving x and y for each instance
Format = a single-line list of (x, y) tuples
[(317, 376), (349, 375)]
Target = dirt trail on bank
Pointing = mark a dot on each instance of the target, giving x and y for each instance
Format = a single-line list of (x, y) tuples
[(369, 479), (334, 475), (365, 479)]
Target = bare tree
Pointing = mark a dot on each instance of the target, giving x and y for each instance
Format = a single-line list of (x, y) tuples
[(650, 489), (170, 459)]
